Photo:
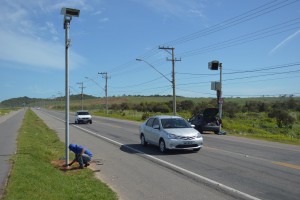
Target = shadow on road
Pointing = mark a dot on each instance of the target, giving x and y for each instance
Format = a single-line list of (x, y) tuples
[(150, 150)]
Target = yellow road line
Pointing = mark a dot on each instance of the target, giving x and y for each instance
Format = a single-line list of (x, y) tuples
[(287, 165)]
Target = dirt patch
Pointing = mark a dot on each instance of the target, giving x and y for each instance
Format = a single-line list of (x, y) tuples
[(60, 164)]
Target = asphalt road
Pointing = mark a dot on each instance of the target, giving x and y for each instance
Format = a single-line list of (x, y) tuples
[(263, 170), (9, 126), (225, 168)]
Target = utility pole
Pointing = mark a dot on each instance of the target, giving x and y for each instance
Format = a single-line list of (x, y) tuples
[(104, 75), (173, 73), (81, 83), (216, 65)]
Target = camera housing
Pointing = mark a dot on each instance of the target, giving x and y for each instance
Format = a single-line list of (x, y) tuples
[(213, 65), (70, 12)]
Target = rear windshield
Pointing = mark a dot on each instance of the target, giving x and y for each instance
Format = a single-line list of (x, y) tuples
[(175, 123)]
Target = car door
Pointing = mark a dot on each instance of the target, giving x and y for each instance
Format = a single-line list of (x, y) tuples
[(148, 130), (155, 133), (76, 117)]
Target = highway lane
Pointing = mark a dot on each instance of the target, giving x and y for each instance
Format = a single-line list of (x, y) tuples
[(261, 169), (132, 175), (9, 126)]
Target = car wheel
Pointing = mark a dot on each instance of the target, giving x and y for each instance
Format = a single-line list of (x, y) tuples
[(162, 146), (91, 122), (143, 140), (217, 132)]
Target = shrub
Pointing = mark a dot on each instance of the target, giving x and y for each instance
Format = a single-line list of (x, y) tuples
[(145, 115), (283, 119), (186, 105)]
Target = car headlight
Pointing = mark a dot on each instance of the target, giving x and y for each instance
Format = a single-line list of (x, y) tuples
[(199, 135), (171, 136)]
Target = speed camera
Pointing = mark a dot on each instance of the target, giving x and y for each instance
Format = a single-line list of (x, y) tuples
[(71, 12)]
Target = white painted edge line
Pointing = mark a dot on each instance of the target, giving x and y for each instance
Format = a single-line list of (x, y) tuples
[(176, 168)]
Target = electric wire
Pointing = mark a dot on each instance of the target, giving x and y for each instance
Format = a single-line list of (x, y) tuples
[(251, 14), (242, 18)]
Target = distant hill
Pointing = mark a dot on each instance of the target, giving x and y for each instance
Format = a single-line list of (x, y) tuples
[(27, 101)]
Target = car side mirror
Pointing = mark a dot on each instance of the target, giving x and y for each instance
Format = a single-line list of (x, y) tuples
[(156, 126), (192, 125)]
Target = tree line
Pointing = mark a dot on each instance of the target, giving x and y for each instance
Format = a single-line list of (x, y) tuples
[(279, 110)]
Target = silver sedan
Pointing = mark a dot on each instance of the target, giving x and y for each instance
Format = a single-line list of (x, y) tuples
[(170, 132)]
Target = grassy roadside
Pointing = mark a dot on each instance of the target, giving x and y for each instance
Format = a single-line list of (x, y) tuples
[(255, 127), (33, 176), (4, 111)]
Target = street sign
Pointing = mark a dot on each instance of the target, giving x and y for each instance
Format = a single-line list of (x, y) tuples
[(221, 101), (215, 85)]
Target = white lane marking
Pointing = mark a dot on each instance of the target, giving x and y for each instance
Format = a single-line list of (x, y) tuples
[(172, 166), (175, 167), (289, 165)]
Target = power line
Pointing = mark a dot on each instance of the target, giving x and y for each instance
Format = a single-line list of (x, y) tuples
[(246, 71), (251, 14), (144, 83), (271, 74), (260, 34), (241, 78), (263, 80), (247, 16), (232, 79)]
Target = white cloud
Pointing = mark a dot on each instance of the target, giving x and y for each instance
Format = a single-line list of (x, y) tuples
[(97, 13), (196, 12), (39, 54), (27, 39), (284, 42), (103, 20), (176, 8)]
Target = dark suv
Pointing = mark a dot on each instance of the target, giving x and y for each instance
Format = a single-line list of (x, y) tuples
[(207, 121)]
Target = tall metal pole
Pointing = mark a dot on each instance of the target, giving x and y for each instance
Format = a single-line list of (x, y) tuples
[(68, 13), (106, 102), (220, 99), (173, 83), (104, 75), (67, 21), (173, 75), (81, 83)]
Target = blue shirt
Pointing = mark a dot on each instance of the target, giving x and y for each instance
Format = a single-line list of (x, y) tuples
[(77, 149)]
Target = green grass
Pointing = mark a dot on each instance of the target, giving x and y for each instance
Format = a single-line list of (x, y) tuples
[(127, 114), (259, 126), (4, 111), (34, 177)]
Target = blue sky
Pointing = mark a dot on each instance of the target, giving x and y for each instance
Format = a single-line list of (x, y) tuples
[(257, 42)]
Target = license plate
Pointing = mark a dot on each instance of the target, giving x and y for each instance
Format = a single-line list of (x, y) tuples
[(188, 142)]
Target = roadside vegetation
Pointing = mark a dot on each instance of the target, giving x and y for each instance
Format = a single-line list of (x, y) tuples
[(34, 177), (272, 119), (4, 111), (268, 118)]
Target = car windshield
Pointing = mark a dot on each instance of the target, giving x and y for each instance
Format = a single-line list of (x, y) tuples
[(174, 123), (83, 113)]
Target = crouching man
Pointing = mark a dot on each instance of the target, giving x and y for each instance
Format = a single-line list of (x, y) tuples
[(82, 155)]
